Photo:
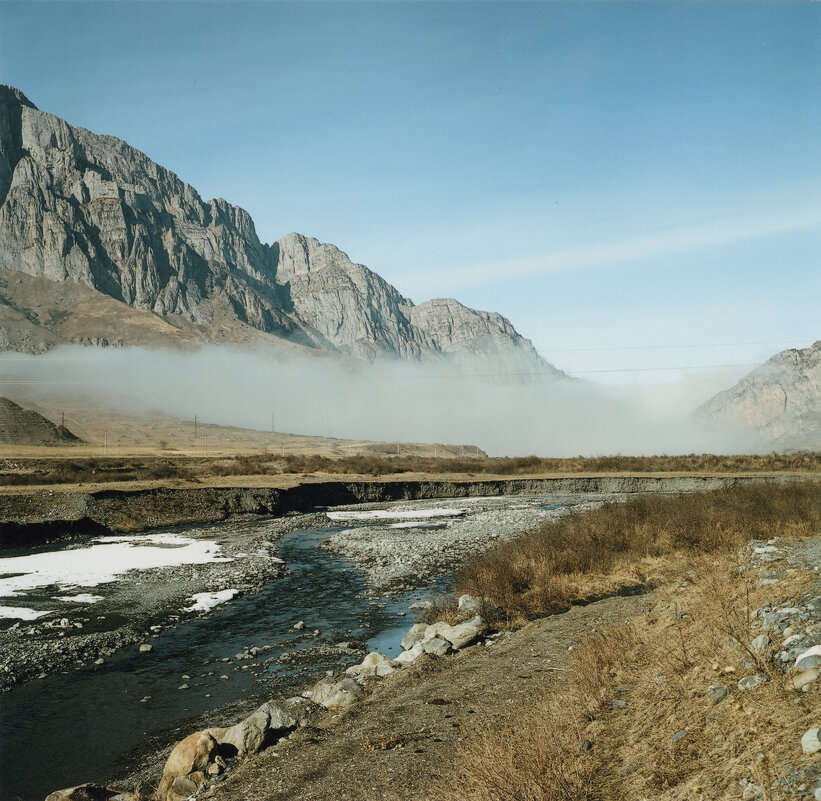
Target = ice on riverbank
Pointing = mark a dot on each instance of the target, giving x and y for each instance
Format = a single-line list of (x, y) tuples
[(81, 598), (103, 561), (394, 514), (21, 613), (206, 601)]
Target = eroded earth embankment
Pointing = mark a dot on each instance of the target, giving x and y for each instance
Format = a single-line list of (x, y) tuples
[(29, 516)]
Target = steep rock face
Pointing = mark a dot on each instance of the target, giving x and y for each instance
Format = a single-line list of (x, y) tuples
[(781, 400), (78, 208)]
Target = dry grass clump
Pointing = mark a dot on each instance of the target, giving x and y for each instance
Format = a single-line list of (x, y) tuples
[(668, 741), (614, 547)]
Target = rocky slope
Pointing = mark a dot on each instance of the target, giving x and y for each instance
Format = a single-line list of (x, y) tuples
[(781, 400), (103, 224)]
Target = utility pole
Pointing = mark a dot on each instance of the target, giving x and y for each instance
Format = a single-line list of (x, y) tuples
[(195, 426), (62, 419), (206, 443), (105, 442), (273, 429)]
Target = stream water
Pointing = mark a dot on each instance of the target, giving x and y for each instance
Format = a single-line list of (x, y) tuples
[(101, 721), (70, 728)]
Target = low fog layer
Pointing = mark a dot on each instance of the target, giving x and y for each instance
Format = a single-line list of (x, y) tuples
[(464, 402)]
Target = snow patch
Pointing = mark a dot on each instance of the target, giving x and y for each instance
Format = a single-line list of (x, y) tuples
[(21, 613), (103, 561), (206, 601), (395, 514), (415, 524), (82, 598)]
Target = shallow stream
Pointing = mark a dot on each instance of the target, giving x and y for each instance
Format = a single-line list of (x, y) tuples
[(92, 724)]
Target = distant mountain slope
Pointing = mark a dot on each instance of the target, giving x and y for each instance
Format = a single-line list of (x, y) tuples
[(781, 400), (20, 426), (78, 208)]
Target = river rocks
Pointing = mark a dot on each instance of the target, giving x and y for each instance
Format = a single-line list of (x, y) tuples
[(336, 695), (760, 643), (86, 792), (191, 755), (145, 648), (258, 729), (415, 635), (436, 646), (181, 788), (374, 664), (465, 633), (406, 657), (811, 741)]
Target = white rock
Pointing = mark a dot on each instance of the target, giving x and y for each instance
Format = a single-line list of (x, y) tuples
[(814, 651), (811, 741), (406, 657), (415, 635)]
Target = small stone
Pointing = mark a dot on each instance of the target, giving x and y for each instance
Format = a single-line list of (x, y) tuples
[(811, 741), (808, 662), (679, 735), (749, 682), (717, 693), (586, 746), (804, 679), (145, 648), (619, 704), (99, 661), (299, 626), (183, 687), (760, 643)]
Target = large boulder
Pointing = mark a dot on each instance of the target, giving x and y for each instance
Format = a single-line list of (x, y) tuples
[(374, 664), (459, 635), (436, 646), (415, 635), (406, 657), (335, 694), (465, 633), (260, 728), (191, 755)]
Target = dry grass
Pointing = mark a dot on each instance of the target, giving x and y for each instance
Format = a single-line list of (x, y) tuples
[(78, 468), (662, 666), (617, 546)]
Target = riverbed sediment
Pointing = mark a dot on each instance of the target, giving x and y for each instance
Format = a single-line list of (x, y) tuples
[(38, 514)]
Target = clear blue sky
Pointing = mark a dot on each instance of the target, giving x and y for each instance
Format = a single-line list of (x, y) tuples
[(613, 177)]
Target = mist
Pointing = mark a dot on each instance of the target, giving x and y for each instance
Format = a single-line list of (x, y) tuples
[(454, 401)]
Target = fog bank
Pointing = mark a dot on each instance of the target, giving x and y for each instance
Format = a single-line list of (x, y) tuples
[(464, 401)]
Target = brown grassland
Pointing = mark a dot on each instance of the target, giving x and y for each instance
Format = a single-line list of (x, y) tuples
[(46, 468), (575, 744)]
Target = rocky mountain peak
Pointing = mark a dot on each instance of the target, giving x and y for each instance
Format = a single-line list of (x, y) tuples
[(81, 208), (781, 400)]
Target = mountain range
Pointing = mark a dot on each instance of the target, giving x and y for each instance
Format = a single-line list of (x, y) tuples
[(101, 245)]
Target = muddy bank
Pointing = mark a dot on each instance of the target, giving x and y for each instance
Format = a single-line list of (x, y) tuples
[(29, 517)]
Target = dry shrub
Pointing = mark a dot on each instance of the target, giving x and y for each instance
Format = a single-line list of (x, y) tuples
[(580, 556), (662, 665), (535, 757)]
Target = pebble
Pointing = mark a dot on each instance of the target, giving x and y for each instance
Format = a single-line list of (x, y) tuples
[(145, 648)]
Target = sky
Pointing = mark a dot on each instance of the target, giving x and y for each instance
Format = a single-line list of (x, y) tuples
[(634, 185)]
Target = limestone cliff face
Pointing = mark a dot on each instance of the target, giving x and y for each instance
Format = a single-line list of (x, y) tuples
[(78, 208), (781, 400)]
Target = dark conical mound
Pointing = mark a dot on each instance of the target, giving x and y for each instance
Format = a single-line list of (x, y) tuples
[(20, 426)]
